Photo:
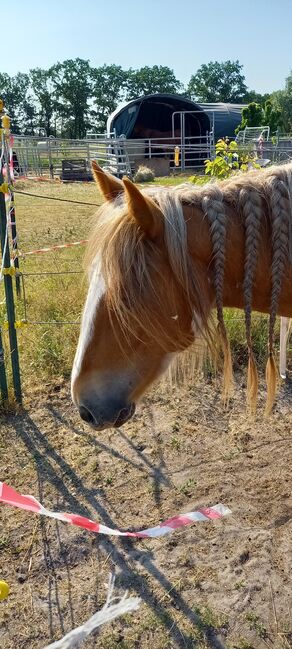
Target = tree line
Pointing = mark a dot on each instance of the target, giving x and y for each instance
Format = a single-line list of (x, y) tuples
[(72, 97)]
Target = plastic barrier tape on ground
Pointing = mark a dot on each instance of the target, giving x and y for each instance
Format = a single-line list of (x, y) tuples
[(29, 503)]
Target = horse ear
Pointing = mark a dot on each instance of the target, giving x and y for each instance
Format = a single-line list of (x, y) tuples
[(109, 186), (144, 210)]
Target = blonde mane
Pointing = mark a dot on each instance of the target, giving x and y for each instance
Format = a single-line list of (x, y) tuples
[(127, 257)]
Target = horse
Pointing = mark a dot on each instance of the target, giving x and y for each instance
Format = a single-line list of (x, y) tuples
[(159, 261)]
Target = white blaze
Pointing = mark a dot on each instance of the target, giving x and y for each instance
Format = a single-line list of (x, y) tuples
[(95, 294)]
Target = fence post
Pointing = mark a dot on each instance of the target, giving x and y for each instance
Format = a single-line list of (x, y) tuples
[(8, 286), (3, 380), (9, 297)]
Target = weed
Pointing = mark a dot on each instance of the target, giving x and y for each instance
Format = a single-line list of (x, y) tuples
[(4, 542), (175, 443), (210, 619), (256, 625), (187, 487), (242, 643)]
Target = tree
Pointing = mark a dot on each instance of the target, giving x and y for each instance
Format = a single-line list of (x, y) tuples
[(253, 96), (288, 84), (72, 91), (272, 117), (148, 81), (216, 81), (29, 117), (108, 89), (41, 83), (282, 99), (15, 93), (256, 115), (251, 115)]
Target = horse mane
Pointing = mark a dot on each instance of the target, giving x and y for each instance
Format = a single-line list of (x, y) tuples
[(126, 258)]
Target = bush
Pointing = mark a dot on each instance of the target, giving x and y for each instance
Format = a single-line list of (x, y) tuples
[(144, 175), (230, 158)]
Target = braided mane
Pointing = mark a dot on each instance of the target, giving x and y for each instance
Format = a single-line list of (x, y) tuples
[(259, 198)]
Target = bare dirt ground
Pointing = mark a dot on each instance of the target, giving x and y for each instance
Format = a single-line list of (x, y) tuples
[(222, 584)]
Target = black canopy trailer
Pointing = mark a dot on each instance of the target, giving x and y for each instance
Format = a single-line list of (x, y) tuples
[(154, 124)]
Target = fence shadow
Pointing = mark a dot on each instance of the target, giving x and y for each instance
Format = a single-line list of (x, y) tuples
[(126, 555), (156, 473)]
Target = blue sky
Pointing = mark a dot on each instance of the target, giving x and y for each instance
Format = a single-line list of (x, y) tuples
[(182, 34)]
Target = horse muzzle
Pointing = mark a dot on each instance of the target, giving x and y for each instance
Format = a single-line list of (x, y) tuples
[(107, 416)]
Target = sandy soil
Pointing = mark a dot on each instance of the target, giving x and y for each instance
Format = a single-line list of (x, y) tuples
[(215, 585)]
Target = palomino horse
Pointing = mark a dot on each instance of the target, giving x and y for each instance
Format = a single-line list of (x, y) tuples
[(158, 262)]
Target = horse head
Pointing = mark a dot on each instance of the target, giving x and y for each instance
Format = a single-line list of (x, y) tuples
[(138, 311)]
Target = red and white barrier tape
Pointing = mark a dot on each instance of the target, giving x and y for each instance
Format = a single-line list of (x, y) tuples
[(29, 503), (58, 247)]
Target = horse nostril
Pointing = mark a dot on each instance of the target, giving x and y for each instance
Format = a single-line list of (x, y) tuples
[(86, 415)]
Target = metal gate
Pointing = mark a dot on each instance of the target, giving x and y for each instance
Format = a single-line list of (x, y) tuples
[(193, 149)]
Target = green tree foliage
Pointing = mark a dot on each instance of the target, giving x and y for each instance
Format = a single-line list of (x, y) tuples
[(15, 92), (148, 81), (216, 81), (29, 117), (256, 115), (72, 91), (272, 116), (251, 115), (282, 99), (253, 96), (43, 89), (108, 89)]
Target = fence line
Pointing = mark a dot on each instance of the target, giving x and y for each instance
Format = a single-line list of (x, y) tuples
[(55, 198), (119, 155)]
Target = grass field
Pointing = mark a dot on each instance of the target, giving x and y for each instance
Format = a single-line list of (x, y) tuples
[(54, 282), (221, 585)]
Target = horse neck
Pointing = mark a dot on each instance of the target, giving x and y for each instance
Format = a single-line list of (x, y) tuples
[(202, 253), (201, 247)]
